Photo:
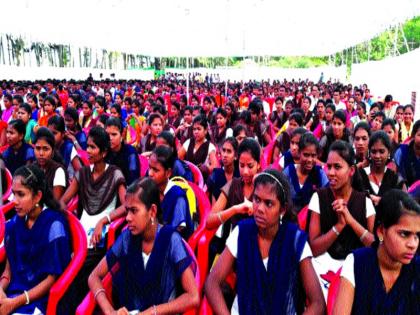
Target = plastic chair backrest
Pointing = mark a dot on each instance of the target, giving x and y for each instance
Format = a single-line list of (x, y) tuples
[(8, 192), (114, 229), (302, 217), (414, 186), (79, 246), (198, 176), (203, 254), (84, 157), (2, 231), (333, 292), (144, 165), (73, 205), (196, 270), (204, 208)]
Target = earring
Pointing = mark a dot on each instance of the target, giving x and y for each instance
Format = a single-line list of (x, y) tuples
[(281, 219), (37, 205), (153, 221), (381, 240)]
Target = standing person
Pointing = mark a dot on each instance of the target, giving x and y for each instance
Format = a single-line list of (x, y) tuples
[(385, 278), (272, 256), (37, 243), (341, 218), (19, 153), (149, 255)]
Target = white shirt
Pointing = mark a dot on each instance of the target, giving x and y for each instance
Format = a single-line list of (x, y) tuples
[(348, 269), (59, 178)]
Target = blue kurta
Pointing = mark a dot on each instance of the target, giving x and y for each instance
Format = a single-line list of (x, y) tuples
[(137, 286), (15, 159), (35, 253)]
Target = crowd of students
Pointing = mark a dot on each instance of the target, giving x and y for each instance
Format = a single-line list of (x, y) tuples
[(268, 152)]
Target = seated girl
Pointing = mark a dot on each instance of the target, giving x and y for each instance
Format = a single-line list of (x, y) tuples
[(37, 245), (73, 130), (377, 179), (50, 163), (361, 136), (341, 218), (48, 110), (198, 149), (291, 156), (24, 113), (407, 157), (148, 143), (337, 131), (64, 146), (283, 140), (185, 130), (234, 202), (385, 278), (272, 258), (100, 188), (19, 153), (220, 176), (173, 198), (220, 131), (180, 168), (149, 255), (86, 120), (305, 177), (122, 155)]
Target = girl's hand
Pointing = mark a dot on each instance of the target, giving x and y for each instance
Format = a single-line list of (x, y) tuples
[(375, 199), (340, 207), (122, 311), (2, 294), (70, 135), (97, 234), (245, 207), (7, 306)]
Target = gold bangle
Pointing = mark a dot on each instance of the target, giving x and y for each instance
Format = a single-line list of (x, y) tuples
[(362, 237), (27, 297)]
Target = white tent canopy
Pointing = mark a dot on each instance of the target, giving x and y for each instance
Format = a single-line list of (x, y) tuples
[(206, 28)]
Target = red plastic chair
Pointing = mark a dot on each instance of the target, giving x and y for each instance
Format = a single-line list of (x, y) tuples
[(8, 192), (333, 291), (198, 176), (203, 254), (414, 186), (84, 157), (5, 209), (268, 153), (73, 205), (79, 245), (88, 305), (144, 165), (2, 231), (302, 217), (114, 230), (204, 208)]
